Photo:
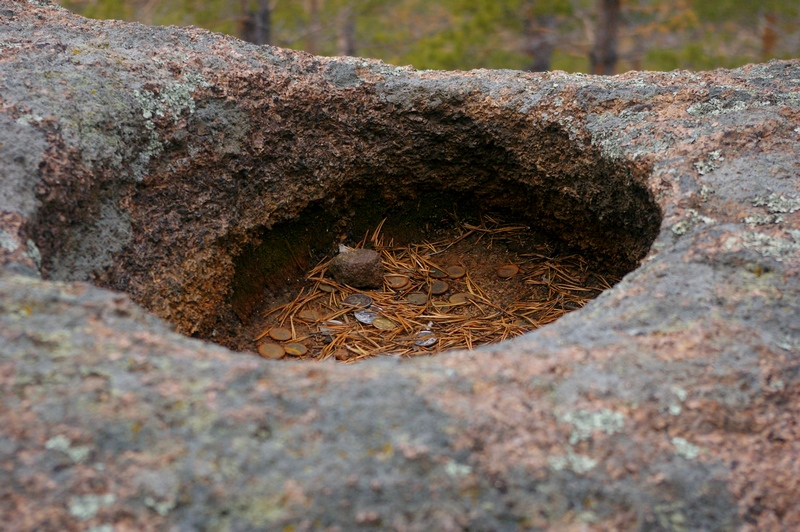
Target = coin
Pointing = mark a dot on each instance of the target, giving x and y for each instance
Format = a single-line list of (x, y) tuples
[(384, 324), (365, 316), (439, 287), (436, 273), (456, 272), (358, 300), (425, 339), (280, 334), (397, 282), (460, 297), (270, 350), (296, 349), (325, 334), (417, 298), (309, 315), (508, 271)]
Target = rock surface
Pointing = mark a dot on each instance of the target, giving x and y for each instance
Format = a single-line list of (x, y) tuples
[(146, 159), (361, 268)]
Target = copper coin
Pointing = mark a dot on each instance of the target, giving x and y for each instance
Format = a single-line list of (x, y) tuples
[(439, 287), (358, 300), (456, 272), (397, 282), (508, 271), (309, 315), (417, 298), (436, 273), (280, 334), (296, 349), (270, 350), (384, 324), (460, 297)]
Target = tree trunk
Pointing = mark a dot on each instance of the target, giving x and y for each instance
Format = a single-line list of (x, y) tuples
[(769, 37), (347, 32), (256, 27), (603, 57), (313, 26), (539, 42), (147, 12)]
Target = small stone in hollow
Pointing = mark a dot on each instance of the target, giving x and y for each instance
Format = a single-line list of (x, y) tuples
[(361, 268)]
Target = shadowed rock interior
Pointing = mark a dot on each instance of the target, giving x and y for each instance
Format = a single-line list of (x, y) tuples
[(547, 179)]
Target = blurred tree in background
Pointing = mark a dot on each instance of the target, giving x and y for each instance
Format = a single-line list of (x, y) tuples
[(598, 36)]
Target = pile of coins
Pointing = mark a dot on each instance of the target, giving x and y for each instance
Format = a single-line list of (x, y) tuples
[(423, 307)]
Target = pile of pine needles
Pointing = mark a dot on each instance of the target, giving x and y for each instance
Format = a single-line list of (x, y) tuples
[(320, 324)]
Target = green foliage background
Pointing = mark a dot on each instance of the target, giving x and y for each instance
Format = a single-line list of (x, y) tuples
[(465, 34)]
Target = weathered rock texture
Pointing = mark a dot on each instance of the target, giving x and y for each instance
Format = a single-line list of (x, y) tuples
[(359, 267), (149, 160)]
